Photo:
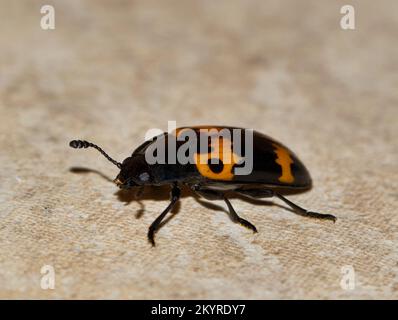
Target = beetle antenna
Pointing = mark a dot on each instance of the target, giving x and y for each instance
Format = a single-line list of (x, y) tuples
[(77, 144)]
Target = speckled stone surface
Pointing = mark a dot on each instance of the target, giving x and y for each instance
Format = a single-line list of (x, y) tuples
[(112, 70)]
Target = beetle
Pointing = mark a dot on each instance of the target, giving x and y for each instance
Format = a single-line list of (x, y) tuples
[(274, 168)]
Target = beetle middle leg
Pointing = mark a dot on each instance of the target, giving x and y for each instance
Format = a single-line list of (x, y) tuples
[(175, 196), (214, 195), (238, 219)]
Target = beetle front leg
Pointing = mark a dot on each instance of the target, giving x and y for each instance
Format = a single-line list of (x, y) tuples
[(175, 196)]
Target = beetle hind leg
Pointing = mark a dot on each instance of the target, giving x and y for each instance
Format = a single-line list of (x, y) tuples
[(255, 193), (266, 193), (303, 212)]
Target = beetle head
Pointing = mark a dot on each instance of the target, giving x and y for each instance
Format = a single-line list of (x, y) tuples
[(134, 171)]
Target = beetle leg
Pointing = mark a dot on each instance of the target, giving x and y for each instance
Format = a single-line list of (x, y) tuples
[(255, 193), (175, 196), (235, 218), (303, 212), (209, 194), (216, 195), (266, 193)]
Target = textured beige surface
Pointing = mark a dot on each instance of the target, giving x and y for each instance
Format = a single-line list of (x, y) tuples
[(113, 69)]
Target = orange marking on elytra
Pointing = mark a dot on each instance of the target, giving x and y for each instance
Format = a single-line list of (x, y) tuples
[(285, 161), (222, 150)]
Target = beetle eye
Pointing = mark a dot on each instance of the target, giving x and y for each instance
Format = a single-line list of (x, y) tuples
[(144, 176)]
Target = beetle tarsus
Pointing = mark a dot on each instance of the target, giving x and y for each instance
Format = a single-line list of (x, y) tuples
[(151, 233), (234, 216), (247, 224), (322, 216)]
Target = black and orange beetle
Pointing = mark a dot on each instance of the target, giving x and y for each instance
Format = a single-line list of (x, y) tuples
[(274, 168)]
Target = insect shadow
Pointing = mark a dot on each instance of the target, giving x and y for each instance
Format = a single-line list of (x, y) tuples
[(162, 193)]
